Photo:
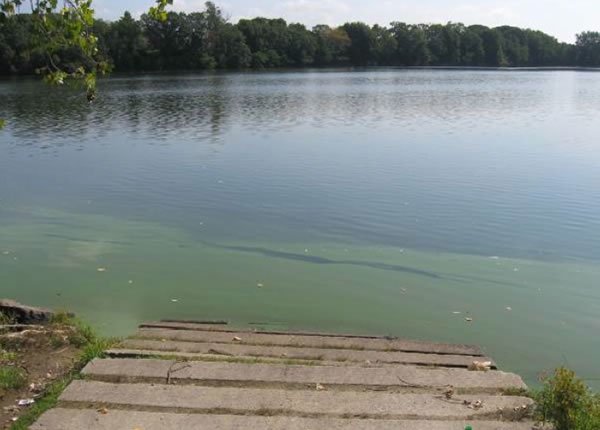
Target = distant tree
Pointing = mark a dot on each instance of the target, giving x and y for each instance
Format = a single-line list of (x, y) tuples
[(125, 43), (362, 43), (514, 45), (588, 49), (331, 45), (411, 44), (385, 46), (472, 50)]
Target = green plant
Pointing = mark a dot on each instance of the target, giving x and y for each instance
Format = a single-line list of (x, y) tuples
[(7, 356), (12, 378), (567, 403), (6, 319)]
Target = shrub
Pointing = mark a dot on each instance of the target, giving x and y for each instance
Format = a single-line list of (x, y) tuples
[(567, 403)]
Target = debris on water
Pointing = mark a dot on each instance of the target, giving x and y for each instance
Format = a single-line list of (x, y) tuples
[(174, 300), (480, 366), (5, 252), (457, 312), (306, 251), (403, 290), (469, 319), (260, 285), (25, 402), (101, 269), (130, 282), (237, 339), (220, 181), (494, 257), (508, 308), (516, 269), (319, 387)]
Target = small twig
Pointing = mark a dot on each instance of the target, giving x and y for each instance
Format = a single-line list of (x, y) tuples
[(217, 352), (410, 384), (171, 370)]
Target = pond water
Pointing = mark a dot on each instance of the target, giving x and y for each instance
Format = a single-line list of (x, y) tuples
[(379, 201)]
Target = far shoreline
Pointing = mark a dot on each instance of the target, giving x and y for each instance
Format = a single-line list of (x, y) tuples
[(338, 69)]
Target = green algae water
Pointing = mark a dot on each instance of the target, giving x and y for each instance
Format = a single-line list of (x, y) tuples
[(380, 201)]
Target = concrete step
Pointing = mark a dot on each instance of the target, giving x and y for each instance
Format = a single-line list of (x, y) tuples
[(305, 403), (237, 374), (225, 334), (236, 349), (73, 419)]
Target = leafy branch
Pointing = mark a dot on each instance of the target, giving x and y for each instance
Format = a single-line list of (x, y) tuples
[(60, 30)]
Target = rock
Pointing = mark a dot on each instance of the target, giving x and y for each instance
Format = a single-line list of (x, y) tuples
[(25, 314)]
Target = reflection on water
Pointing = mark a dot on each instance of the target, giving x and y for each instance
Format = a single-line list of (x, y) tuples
[(207, 106), (372, 201)]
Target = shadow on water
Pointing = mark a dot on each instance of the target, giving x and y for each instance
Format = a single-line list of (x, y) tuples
[(358, 263), (325, 261)]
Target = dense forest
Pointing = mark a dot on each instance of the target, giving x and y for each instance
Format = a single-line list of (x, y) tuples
[(206, 40)]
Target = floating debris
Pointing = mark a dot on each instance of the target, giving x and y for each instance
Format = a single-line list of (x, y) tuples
[(174, 300), (508, 308), (259, 285), (469, 319), (130, 282), (237, 339), (101, 269), (457, 312), (516, 269), (5, 252)]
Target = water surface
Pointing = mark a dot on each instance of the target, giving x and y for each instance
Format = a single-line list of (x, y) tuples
[(378, 201)]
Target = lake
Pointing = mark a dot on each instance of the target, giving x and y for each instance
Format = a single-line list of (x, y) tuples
[(381, 201)]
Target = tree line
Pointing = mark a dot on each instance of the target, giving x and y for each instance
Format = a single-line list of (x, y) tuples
[(206, 40)]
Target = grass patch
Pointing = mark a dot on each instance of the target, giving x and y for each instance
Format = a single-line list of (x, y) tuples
[(91, 346), (517, 392), (7, 356), (48, 401), (12, 378), (567, 403)]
